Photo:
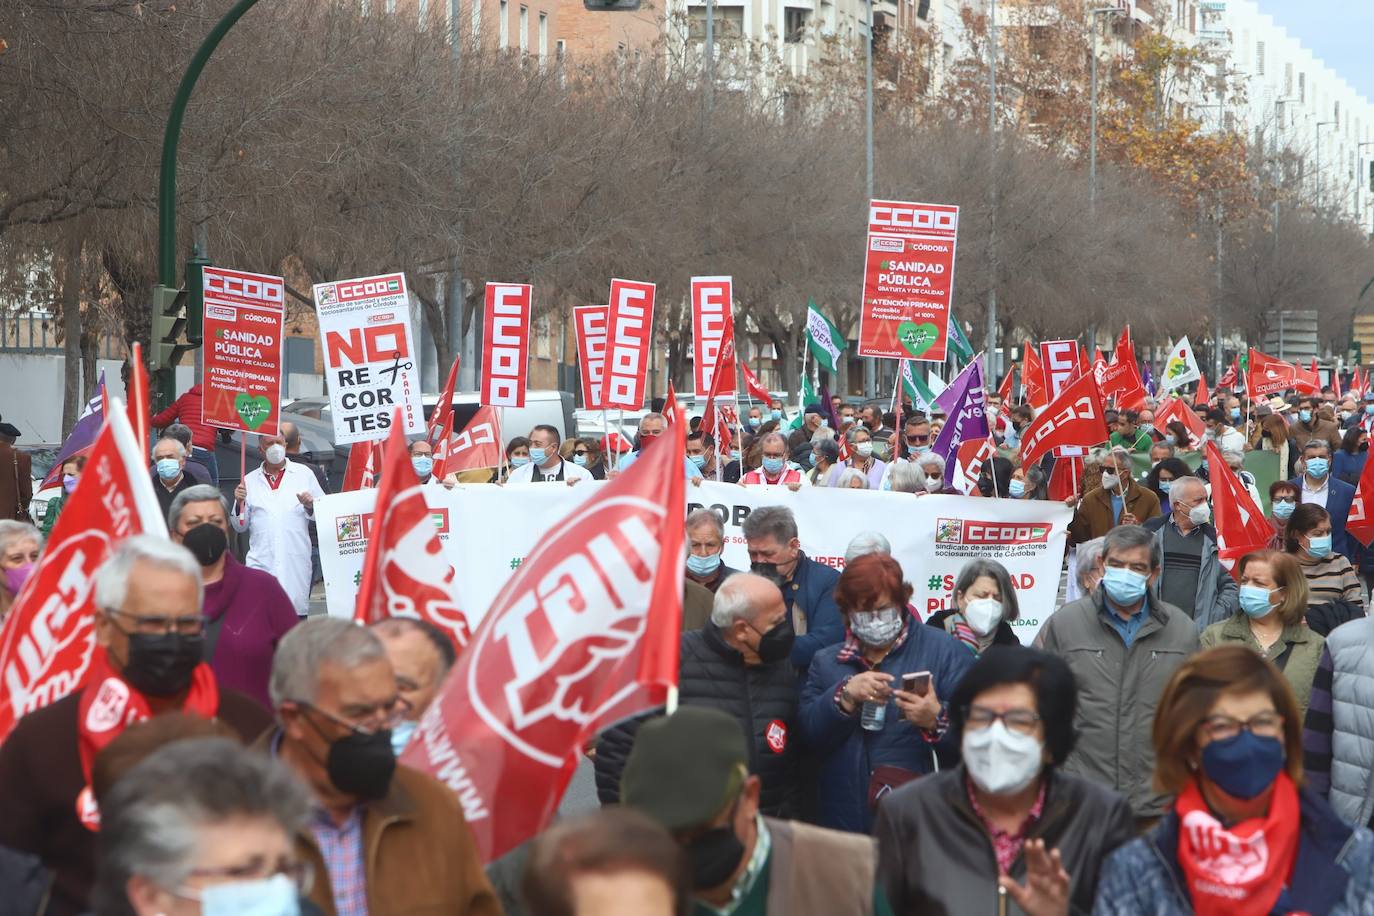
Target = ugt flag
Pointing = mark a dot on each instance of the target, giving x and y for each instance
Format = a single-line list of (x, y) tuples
[(584, 634)]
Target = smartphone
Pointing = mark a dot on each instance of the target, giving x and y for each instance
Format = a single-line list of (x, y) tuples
[(917, 683)]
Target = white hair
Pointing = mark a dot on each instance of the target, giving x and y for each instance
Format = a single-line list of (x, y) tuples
[(1088, 553), (866, 542), (312, 644), (181, 449), (12, 530), (824, 434), (112, 578), (930, 459), (732, 600), (906, 477), (849, 474)]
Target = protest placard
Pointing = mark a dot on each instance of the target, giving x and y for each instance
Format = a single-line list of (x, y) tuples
[(713, 322), (506, 356), (908, 280), (244, 323), (630, 330), (589, 324)]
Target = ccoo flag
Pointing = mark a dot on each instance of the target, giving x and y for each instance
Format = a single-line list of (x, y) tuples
[(823, 338)]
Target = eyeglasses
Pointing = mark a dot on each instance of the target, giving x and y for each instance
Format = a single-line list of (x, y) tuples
[(1022, 721), (1261, 725), (161, 626), (581, 451), (918, 440), (388, 714), (301, 874)]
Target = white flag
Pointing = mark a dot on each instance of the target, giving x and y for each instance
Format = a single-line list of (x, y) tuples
[(1181, 366)]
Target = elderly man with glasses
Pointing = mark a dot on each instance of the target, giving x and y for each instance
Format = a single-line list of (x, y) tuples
[(150, 639), (384, 837)]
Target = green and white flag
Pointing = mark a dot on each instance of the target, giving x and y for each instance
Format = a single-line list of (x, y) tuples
[(916, 388), (958, 343), (808, 396), (823, 338)]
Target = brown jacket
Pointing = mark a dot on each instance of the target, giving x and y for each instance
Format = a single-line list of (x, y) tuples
[(419, 855), (1094, 516), (16, 483), (1299, 434)]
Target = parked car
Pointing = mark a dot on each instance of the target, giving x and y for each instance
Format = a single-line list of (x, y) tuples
[(43, 455)]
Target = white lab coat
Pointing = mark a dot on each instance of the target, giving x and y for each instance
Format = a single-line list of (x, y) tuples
[(526, 473), (279, 528)]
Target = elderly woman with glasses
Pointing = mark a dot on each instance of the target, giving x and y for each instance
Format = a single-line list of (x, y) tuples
[(204, 826), (1006, 821), (149, 637)]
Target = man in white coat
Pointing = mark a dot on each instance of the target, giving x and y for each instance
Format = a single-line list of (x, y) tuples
[(275, 504), (546, 465)]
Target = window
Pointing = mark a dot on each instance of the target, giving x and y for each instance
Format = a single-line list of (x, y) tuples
[(1302, 87), (1337, 125), (476, 19), (560, 50), (1287, 79), (1040, 38), (794, 24), (543, 35), (524, 27), (727, 23), (503, 27), (1259, 58)]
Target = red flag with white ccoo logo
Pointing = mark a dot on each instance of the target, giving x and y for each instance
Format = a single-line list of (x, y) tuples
[(968, 463), (49, 635), (1240, 523), (1074, 418), (584, 634), (478, 445), (405, 572)]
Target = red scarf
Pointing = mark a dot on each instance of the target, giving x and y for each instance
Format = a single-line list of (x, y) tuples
[(109, 704), (1238, 871)]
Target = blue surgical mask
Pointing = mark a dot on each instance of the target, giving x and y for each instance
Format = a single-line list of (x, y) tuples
[(1305, 416), (755, 422), (1369, 409), (1017, 488), (811, 459), (520, 461), (401, 734), (777, 415), (1283, 508), (538, 455), (1317, 467), (698, 461), (703, 566), (274, 896), (423, 465), (1243, 765), (1171, 439), (774, 465), (1124, 586), (1147, 428), (1164, 485), (734, 454), (580, 460), (1235, 413), (1319, 547), (1254, 601), (168, 468)]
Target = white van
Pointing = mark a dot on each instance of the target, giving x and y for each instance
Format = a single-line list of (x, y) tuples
[(551, 408)]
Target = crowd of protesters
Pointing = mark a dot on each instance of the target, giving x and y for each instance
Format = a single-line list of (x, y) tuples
[(1186, 735)]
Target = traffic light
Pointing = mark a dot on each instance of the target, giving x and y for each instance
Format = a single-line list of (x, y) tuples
[(195, 296), (168, 322)]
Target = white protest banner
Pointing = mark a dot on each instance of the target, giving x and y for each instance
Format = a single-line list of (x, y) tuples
[(370, 362), (713, 323), (932, 536)]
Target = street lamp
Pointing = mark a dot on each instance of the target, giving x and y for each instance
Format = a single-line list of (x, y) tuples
[(1120, 8), (871, 366)]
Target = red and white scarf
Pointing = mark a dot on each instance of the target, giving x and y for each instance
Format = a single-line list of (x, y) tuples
[(1240, 870), (109, 704)]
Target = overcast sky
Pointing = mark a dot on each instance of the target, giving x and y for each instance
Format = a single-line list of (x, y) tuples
[(1337, 31)]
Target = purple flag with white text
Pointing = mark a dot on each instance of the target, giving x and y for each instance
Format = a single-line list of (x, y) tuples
[(966, 415), (82, 436)]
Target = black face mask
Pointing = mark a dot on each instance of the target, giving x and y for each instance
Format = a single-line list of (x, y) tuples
[(362, 765), (714, 856), (206, 542), (162, 665), (776, 644), (770, 572)]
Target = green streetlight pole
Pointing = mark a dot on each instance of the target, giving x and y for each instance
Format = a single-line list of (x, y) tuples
[(164, 296)]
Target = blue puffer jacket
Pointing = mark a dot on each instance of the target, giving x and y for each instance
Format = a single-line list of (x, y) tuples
[(847, 753), (1333, 874), (812, 589)]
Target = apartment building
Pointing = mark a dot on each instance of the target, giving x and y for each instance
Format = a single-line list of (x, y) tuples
[(528, 26)]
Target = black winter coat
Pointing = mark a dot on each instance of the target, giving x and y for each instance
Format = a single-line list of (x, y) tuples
[(762, 697)]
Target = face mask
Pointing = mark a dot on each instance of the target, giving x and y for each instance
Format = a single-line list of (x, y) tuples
[(773, 465), (1012, 438), (876, 628), (983, 615), (934, 485), (703, 566), (16, 577), (755, 422), (1124, 586), (1319, 546), (734, 454), (275, 454), (69, 483), (1212, 434), (1283, 508), (401, 735), (1164, 485), (1305, 416), (1243, 766), (423, 465), (1369, 408), (777, 415), (1254, 601), (1171, 439), (206, 542), (161, 665), (1235, 413), (1345, 415), (776, 644), (362, 765), (1001, 761), (864, 449), (580, 460), (1017, 488), (1200, 514), (538, 455), (1147, 428), (920, 449), (1110, 482), (1317, 467), (714, 856), (168, 468), (520, 461), (698, 461), (769, 571), (274, 896)]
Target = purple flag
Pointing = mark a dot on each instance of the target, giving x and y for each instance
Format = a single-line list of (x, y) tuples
[(967, 418), (1148, 380), (83, 435), (946, 399)]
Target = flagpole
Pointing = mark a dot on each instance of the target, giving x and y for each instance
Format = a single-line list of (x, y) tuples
[(670, 706)]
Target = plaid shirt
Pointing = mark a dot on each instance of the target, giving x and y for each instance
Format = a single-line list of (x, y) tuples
[(1006, 845), (852, 653), (342, 850)]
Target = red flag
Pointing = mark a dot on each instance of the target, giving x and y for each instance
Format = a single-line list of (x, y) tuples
[(1033, 377), (1064, 478), (753, 386), (1232, 375), (842, 441), (1309, 380), (584, 634), (139, 413), (47, 639), (443, 411), (506, 353), (1075, 418), (405, 572), (1269, 376), (968, 463), (478, 445), (1121, 379), (671, 411), (361, 472), (1175, 409), (1357, 383), (1099, 366), (1201, 396), (1241, 526), (714, 420), (1336, 384), (1360, 521), (1004, 391), (443, 449)]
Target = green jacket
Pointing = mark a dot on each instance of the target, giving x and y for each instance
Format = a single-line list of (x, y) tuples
[(50, 514), (1140, 443), (1299, 667)]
